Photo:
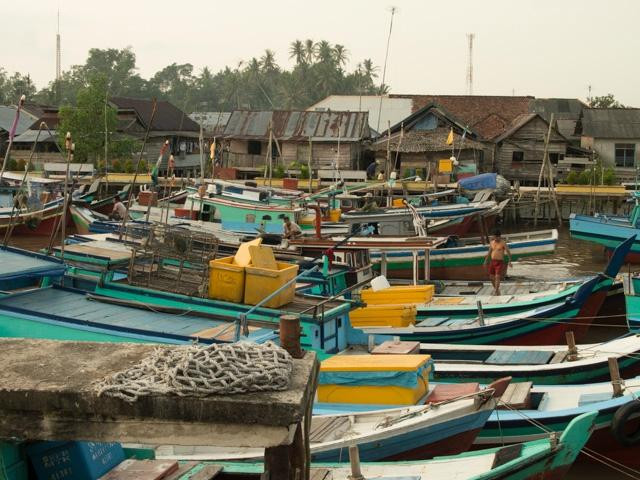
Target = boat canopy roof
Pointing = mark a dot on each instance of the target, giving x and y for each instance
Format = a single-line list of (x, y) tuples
[(20, 264)]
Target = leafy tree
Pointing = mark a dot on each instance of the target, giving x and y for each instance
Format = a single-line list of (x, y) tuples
[(87, 121), (129, 167), (605, 101), (573, 177), (116, 166)]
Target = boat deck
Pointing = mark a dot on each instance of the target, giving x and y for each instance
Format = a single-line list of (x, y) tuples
[(69, 305)]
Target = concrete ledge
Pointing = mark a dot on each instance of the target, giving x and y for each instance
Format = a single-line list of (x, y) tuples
[(46, 393)]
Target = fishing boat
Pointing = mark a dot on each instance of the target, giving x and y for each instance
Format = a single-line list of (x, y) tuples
[(544, 459), (465, 300), (542, 365), (40, 221), (102, 205), (409, 433), (552, 407), (539, 326), (609, 230), (453, 259)]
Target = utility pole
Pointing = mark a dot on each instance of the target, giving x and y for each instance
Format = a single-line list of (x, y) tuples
[(384, 68)]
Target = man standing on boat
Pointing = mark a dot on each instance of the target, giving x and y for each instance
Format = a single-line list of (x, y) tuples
[(495, 260)]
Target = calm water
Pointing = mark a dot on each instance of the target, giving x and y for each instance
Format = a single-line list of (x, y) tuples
[(573, 258)]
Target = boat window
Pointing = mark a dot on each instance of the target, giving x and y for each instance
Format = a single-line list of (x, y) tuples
[(266, 217), (250, 218)]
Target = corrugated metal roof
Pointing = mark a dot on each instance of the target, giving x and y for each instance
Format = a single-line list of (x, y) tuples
[(29, 136), (298, 125), (212, 122), (168, 117), (8, 114), (562, 108), (611, 122)]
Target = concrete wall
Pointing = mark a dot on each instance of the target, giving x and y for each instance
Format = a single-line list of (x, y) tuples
[(605, 149)]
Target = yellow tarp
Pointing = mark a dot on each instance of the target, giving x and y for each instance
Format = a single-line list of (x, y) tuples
[(372, 363)]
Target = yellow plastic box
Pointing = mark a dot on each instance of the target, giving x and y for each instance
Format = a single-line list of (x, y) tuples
[(398, 203), (226, 280), (383, 316), (398, 295), (391, 394), (261, 282)]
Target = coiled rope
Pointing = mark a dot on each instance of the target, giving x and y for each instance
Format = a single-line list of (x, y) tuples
[(198, 371)]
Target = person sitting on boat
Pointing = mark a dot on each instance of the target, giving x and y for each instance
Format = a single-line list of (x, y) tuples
[(291, 229), (495, 260), (119, 211)]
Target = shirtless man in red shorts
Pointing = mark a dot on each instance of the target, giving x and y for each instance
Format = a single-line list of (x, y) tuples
[(495, 260)]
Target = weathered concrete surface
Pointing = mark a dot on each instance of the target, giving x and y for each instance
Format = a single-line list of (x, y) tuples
[(46, 393)]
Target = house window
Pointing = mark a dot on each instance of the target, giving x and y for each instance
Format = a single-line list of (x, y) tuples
[(254, 147), (517, 156), (625, 154)]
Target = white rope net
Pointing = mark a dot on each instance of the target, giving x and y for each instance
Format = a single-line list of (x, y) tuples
[(198, 371)]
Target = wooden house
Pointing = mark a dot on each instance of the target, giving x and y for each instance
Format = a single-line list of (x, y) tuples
[(324, 139), (613, 136), (519, 150), (420, 140)]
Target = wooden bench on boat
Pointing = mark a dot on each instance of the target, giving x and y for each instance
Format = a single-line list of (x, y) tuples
[(47, 393)]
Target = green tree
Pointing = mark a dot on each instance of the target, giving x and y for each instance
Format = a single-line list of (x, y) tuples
[(605, 101), (87, 121)]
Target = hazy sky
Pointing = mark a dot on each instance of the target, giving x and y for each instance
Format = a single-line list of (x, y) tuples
[(545, 48)]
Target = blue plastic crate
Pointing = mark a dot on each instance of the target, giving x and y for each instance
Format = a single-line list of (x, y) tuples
[(74, 460)]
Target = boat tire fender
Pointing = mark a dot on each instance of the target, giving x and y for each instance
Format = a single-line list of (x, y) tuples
[(619, 421)]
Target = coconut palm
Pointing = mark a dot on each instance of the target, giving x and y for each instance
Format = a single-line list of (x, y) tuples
[(310, 50), (324, 52), (369, 69), (340, 54), (268, 61), (298, 51)]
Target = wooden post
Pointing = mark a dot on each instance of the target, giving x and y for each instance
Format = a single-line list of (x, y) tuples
[(309, 160), (290, 335), (572, 353), (480, 313), (414, 255), (354, 460), (616, 381), (427, 265), (542, 171)]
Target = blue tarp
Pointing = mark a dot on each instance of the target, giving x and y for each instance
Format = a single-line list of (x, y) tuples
[(479, 182), (408, 379)]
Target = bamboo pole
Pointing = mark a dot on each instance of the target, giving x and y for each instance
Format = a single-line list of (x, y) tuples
[(135, 176), (309, 160), (542, 170), (12, 133), (70, 147)]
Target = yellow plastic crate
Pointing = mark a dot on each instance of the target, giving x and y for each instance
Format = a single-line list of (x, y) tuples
[(261, 282), (398, 295), (383, 316), (226, 280), (375, 394)]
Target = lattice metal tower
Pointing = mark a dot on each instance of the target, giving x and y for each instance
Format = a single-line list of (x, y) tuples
[(58, 63), (470, 37)]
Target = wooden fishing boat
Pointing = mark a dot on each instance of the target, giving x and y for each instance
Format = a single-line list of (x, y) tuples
[(632, 302), (544, 459), (539, 326), (554, 406), (102, 205), (466, 299), (20, 269), (409, 433), (542, 365), (455, 259), (608, 230), (41, 222)]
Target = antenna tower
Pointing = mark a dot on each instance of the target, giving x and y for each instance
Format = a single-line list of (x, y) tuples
[(58, 65), (470, 37)]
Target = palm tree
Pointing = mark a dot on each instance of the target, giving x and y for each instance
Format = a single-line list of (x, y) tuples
[(268, 61), (340, 54), (324, 52), (298, 51), (310, 50), (254, 66), (369, 69)]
